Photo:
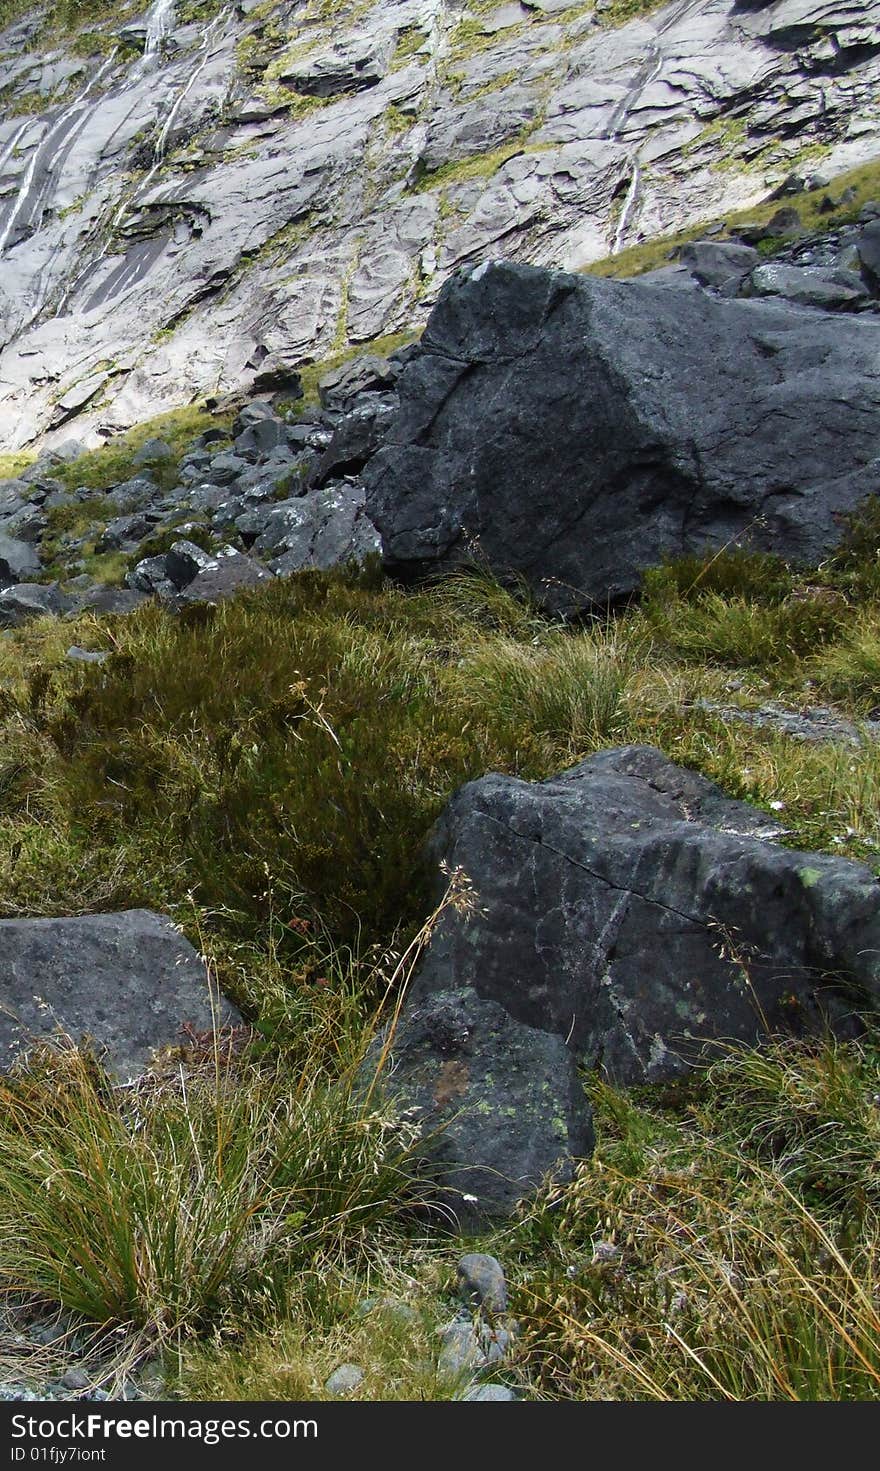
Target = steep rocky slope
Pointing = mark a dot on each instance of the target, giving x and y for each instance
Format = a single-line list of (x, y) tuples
[(191, 190)]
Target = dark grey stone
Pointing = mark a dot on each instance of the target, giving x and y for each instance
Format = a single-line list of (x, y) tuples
[(29, 600), (499, 1102), (367, 374), (716, 262), (868, 247), (357, 436), (18, 560), (660, 916), (185, 560), (129, 981), (833, 290), (575, 431), (326, 528), (232, 574)]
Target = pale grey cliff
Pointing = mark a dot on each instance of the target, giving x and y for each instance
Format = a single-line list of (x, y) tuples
[(188, 190)]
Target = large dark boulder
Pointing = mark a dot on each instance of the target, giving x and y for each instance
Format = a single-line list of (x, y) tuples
[(576, 431), (500, 1104), (631, 908), (130, 982)]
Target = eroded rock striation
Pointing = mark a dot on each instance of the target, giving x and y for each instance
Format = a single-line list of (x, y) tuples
[(192, 198)]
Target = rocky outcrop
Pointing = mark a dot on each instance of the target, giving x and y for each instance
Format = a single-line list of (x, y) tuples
[(265, 183), (574, 431), (631, 910), (128, 982)]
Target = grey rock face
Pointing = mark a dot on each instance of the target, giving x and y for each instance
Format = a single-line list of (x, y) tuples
[(718, 263), (141, 240), (575, 431), (29, 600), (660, 916), (128, 981), (500, 1103), (834, 290)]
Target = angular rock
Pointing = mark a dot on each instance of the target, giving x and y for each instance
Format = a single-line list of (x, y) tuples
[(835, 290), (129, 981), (327, 528), (718, 262), (150, 576), (18, 560), (231, 575), (261, 439), (500, 1103), (184, 561), (366, 374), (575, 431), (661, 917), (357, 436), (29, 600)]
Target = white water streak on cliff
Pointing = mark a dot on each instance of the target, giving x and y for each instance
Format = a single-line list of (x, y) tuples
[(204, 57), (26, 206)]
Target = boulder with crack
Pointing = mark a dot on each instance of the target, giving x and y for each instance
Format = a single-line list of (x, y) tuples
[(632, 910)]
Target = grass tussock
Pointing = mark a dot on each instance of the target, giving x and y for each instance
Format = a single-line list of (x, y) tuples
[(722, 1247), (168, 1206)]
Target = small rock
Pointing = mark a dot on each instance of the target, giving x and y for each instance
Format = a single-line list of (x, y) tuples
[(75, 1379), (467, 1347), (345, 1380), (86, 656), (481, 1279), (489, 1392)]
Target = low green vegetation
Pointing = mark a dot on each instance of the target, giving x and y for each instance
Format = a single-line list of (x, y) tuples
[(102, 468), (266, 772)]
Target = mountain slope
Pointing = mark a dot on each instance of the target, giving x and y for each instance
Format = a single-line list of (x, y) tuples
[(189, 191)]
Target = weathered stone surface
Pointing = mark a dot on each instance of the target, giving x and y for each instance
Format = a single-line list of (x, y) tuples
[(29, 600), (718, 263), (481, 1280), (326, 528), (660, 917), (129, 981), (153, 257), (18, 560), (574, 431), (232, 574), (500, 1103), (834, 290)]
